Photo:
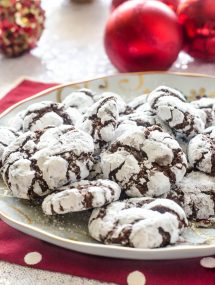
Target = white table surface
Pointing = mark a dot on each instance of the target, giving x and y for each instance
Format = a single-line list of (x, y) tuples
[(70, 49)]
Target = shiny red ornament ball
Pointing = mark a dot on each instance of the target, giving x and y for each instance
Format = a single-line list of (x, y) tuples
[(142, 35), (21, 25), (198, 20), (173, 4)]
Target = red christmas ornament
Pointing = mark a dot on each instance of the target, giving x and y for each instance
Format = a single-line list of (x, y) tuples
[(21, 25), (142, 35), (173, 4), (198, 20)]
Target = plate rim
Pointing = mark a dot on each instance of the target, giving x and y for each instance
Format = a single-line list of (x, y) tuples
[(100, 245), (60, 86)]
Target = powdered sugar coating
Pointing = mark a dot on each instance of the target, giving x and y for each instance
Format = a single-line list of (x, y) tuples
[(7, 136), (208, 106), (100, 121), (134, 120), (144, 162), (183, 118), (124, 126), (196, 195), (148, 118), (96, 170), (46, 113), (75, 116), (39, 162), (17, 121), (81, 196), (163, 92), (121, 105), (144, 119), (80, 99), (138, 103), (164, 126), (138, 222), (201, 151), (210, 131)]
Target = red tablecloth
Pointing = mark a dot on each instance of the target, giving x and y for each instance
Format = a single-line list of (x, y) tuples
[(18, 248)]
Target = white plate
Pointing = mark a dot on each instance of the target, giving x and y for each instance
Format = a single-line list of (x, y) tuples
[(70, 231)]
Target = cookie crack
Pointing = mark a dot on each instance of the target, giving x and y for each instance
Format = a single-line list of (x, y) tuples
[(3, 144), (139, 155), (60, 111), (162, 209), (165, 94), (113, 173)]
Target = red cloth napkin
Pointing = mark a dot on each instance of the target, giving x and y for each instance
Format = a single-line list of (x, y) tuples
[(19, 248), (25, 89)]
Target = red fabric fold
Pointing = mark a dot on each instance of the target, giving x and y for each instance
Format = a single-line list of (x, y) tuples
[(15, 245), (22, 91)]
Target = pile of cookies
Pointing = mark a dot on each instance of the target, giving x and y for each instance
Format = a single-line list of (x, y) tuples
[(143, 168)]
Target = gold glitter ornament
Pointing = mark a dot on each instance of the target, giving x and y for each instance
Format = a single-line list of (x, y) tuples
[(21, 25)]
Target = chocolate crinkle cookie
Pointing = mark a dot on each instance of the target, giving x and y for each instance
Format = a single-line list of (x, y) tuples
[(144, 162), (39, 162), (121, 105), (208, 106), (7, 136), (43, 114), (100, 121), (138, 222), (196, 195), (81, 196), (201, 151), (80, 99), (183, 118)]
